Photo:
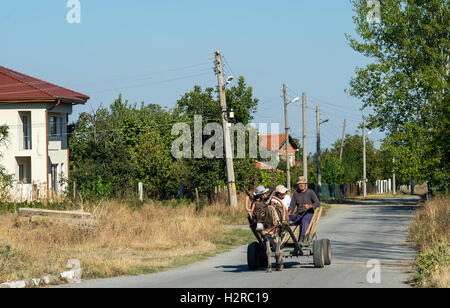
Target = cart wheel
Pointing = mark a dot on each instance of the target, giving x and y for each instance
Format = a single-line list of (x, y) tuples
[(326, 243), (253, 256), (318, 255), (263, 263)]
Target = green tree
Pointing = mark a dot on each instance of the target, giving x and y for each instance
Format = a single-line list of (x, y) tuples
[(114, 149), (205, 173), (5, 179), (351, 166), (240, 99), (332, 171), (405, 88)]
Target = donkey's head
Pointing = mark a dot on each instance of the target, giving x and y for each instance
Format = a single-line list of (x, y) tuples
[(263, 214)]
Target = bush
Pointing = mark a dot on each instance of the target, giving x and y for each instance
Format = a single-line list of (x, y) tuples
[(430, 233), (430, 264)]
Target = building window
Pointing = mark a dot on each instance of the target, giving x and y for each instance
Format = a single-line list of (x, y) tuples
[(53, 126), (54, 178), (26, 126), (21, 173), (61, 126)]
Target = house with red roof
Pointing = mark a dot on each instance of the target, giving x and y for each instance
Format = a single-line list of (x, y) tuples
[(37, 115), (277, 142)]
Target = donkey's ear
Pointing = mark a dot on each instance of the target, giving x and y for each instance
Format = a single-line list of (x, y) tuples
[(248, 194), (270, 197)]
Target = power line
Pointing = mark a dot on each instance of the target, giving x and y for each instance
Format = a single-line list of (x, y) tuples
[(113, 89), (333, 114), (337, 109), (154, 83), (143, 126), (37, 82), (228, 66)]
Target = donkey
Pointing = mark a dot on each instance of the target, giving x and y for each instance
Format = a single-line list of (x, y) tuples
[(267, 218)]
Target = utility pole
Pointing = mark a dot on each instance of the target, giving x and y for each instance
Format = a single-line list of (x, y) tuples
[(286, 145), (364, 160), (305, 154), (232, 198), (342, 141), (319, 176)]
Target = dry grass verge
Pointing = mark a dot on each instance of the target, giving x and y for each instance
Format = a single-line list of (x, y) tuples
[(430, 232), (125, 241)]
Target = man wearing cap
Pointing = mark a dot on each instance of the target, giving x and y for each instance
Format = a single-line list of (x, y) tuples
[(306, 201), (282, 199), (281, 194)]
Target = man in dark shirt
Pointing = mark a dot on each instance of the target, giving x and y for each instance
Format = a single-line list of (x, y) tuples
[(306, 201)]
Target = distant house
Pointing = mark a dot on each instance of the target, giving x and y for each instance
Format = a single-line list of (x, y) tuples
[(37, 114), (276, 142)]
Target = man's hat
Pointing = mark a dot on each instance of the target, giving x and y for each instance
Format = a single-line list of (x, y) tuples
[(260, 190), (281, 189), (302, 180)]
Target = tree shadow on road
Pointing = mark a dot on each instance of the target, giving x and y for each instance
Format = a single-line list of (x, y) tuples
[(384, 237), (375, 201)]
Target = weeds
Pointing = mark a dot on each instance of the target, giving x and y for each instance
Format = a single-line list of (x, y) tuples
[(8, 207), (430, 233), (124, 240)]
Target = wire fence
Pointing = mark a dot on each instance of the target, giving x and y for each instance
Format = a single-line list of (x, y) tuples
[(342, 191)]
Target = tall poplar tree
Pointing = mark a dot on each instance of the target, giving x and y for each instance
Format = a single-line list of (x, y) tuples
[(405, 87)]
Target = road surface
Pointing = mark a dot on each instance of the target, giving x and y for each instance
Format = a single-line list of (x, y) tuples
[(376, 229)]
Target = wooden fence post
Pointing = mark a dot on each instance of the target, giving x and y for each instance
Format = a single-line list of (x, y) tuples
[(74, 192), (197, 198)]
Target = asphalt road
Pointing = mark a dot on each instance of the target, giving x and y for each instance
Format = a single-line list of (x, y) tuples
[(358, 233)]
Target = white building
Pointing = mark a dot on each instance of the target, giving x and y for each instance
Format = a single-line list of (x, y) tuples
[(36, 113)]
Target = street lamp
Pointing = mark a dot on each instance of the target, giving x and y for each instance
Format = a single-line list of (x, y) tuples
[(319, 171), (294, 100), (286, 145)]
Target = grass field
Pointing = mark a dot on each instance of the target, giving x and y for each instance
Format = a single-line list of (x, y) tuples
[(124, 241)]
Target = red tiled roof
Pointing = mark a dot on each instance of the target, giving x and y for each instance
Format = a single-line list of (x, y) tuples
[(15, 86), (265, 167), (272, 142), (275, 141)]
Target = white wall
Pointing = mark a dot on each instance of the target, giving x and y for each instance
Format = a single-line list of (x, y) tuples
[(58, 148)]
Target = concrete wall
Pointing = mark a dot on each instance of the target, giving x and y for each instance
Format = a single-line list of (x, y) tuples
[(383, 186), (282, 154), (14, 152)]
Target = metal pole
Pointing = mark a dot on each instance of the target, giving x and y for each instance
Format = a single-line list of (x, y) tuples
[(232, 198), (286, 146), (364, 160), (305, 154), (342, 141), (319, 176)]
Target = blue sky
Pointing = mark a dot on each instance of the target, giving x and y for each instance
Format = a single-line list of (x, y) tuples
[(155, 51)]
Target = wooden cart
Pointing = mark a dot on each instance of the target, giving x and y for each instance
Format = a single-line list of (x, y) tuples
[(293, 245)]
